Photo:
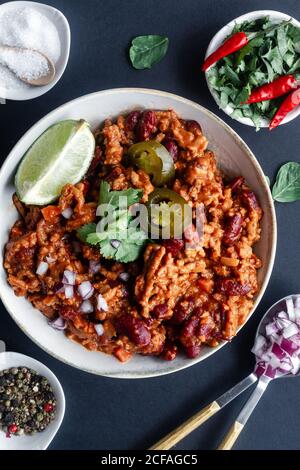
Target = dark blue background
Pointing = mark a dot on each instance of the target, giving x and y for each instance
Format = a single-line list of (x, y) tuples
[(122, 414)]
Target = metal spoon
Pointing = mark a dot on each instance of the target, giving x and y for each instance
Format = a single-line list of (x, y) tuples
[(199, 418), (41, 81)]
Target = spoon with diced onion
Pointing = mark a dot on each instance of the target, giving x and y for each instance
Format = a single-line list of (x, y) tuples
[(277, 351)]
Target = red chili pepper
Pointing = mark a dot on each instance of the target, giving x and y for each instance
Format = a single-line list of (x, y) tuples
[(290, 103), (279, 87), (233, 44)]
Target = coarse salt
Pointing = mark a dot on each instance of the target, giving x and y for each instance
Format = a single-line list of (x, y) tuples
[(26, 64), (27, 28)]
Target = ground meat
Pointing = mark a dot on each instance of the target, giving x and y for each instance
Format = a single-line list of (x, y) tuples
[(180, 294)]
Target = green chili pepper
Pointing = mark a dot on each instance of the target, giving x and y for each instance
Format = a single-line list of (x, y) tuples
[(165, 207), (154, 159)]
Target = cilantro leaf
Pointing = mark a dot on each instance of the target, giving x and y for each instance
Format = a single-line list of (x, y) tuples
[(104, 192), (107, 250), (131, 195), (116, 227), (84, 231)]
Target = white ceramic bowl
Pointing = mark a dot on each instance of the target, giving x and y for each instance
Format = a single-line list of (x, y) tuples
[(220, 37), (39, 441), (233, 156), (63, 28)]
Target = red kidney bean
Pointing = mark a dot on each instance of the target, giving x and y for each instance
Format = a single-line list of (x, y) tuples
[(193, 351), (170, 351), (232, 287), (135, 329), (182, 311), (192, 126), (174, 246), (146, 125), (132, 120), (68, 313), (233, 230), (205, 329), (190, 327), (172, 148), (248, 197), (160, 311), (236, 184)]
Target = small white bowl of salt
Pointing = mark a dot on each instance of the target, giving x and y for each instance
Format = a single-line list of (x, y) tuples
[(37, 27)]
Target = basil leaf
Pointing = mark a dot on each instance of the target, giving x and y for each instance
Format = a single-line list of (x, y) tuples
[(147, 51), (287, 184)]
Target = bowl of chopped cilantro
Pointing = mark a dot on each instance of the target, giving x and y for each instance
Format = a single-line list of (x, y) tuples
[(263, 51)]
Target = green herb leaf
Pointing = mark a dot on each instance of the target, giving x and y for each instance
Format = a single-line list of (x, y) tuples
[(107, 250), (273, 53), (287, 184), (84, 231), (148, 50), (131, 195), (104, 192), (117, 227)]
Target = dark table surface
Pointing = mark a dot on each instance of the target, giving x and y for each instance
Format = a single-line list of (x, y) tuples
[(114, 414)]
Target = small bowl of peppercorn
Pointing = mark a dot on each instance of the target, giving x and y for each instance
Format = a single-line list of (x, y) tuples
[(32, 403)]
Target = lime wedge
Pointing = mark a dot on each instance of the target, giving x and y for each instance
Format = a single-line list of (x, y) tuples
[(61, 155)]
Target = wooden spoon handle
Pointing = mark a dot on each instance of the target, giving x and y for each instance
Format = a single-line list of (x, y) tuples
[(186, 428), (231, 437), (247, 410)]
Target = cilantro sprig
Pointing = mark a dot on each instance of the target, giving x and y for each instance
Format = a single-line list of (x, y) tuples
[(118, 238), (263, 60)]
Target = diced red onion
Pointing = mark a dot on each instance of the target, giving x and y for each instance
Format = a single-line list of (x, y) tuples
[(290, 309), (101, 303), (124, 277), (69, 292), (290, 330), (58, 324), (85, 290), (297, 302), (270, 372), (272, 329), (115, 244), (94, 267), (289, 346), (42, 268), (278, 353), (69, 277), (259, 345), (86, 307), (99, 329), (50, 260), (67, 213), (282, 314), (259, 369)]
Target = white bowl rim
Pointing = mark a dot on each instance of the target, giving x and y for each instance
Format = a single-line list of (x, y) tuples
[(21, 95), (220, 36), (28, 361), (258, 168)]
